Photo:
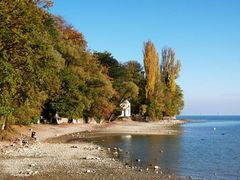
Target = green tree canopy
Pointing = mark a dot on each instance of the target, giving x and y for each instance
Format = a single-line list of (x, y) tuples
[(26, 50)]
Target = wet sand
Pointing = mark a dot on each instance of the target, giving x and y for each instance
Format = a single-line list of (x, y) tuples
[(52, 158)]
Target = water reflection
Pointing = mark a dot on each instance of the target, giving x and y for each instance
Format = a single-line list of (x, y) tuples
[(150, 149)]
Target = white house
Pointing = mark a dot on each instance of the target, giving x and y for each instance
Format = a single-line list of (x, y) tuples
[(126, 108)]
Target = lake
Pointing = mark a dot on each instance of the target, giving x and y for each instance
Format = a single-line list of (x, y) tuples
[(208, 147)]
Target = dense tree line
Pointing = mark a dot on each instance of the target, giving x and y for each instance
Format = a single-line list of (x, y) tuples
[(45, 67)]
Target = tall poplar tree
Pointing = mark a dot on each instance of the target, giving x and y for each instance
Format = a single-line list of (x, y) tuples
[(153, 81), (152, 69), (173, 95)]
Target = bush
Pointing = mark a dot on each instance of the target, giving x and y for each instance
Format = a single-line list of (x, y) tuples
[(23, 122), (35, 120)]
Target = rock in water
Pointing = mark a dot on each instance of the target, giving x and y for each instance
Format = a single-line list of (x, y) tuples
[(115, 153), (88, 171), (138, 160)]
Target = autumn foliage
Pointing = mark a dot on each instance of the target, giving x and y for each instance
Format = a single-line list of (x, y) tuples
[(164, 97), (45, 67)]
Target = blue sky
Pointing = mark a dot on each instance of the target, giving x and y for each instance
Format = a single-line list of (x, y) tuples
[(205, 35)]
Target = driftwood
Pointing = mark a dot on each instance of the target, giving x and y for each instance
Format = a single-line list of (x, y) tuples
[(111, 117)]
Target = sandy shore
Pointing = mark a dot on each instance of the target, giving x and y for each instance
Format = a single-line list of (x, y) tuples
[(144, 128), (45, 159)]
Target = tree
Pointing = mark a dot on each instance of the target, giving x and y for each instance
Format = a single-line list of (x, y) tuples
[(173, 96), (153, 81), (170, 68), (134, 73), (115, 70), (152, 69), (26, 49), (129, 91), (70, 102), (86, 89), (98, 89), (164, 96), (69, 33)]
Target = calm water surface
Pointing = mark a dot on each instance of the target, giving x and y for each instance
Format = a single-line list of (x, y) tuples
[(209, 148)]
